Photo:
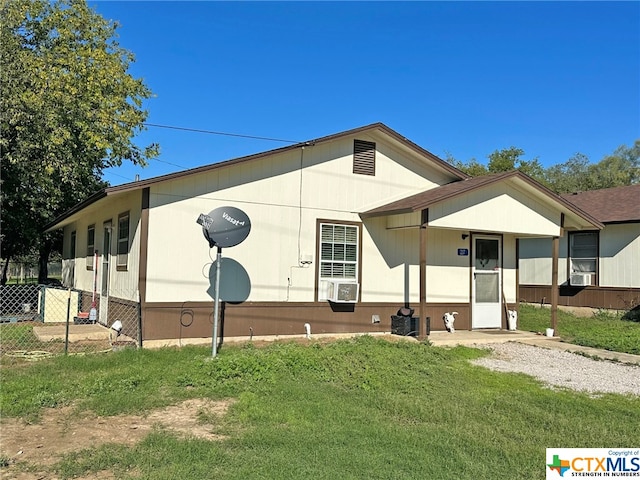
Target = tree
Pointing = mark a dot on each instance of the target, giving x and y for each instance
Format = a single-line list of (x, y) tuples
[(69, 109), (570, 176), (577, 174), (509, 159), (620, 168), (503, 160), (472, 167)]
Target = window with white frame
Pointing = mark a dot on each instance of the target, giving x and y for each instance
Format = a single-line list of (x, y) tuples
[(583, 252), (91, 245), (123, 241), (339, 254)]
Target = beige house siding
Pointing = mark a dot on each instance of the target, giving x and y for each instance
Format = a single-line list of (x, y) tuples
[(619, 258), (499, 208), (620, 255), (390, 267), (509, 268), (448, 274), (283, 202), (122, 283), (287, 193), (535, 261)]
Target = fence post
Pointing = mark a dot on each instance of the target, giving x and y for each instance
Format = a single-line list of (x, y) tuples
[(139, 319), (66, 333)]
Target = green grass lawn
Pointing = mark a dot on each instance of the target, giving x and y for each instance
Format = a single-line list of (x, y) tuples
[(604, 330), (363, 408)]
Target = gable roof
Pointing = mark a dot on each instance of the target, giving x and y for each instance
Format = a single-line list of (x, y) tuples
[(609, 205), (373, 128), (430, 197)]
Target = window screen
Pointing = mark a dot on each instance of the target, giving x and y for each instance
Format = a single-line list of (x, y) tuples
[(91, 241), (584, 252), (123, 240), (338, 251)]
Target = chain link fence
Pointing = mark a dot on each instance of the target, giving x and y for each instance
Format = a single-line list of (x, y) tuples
[(27, 272), (41, 320)]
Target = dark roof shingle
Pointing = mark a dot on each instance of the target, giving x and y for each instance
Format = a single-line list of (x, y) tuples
[(609, 205)]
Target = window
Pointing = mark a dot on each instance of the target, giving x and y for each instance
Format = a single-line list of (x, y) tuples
[(72, 246), (91, 245), (339, 252), (364, 157), (123, 241), (72, 258), (583, 252)]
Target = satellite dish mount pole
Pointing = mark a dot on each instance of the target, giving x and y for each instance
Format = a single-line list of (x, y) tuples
[(216, 307), (223, 227)]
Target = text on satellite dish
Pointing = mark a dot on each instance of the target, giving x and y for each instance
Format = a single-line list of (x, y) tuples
[(230, 219)]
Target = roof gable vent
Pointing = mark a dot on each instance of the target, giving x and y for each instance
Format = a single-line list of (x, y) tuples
[(364, 157)]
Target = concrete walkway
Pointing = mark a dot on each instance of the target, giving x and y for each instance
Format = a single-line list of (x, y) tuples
[(78, 333), (483, 337), (437, 338)]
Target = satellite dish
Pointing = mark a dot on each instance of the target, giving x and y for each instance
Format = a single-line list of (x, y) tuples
[(225, 226), (222, 227)]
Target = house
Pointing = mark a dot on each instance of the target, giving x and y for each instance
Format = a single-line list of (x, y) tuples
[(597, 268), (345, 230)]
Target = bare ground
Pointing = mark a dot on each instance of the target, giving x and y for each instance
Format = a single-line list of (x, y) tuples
[(32, 449)]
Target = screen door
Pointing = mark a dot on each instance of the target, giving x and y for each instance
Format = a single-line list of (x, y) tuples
[(487, 282)]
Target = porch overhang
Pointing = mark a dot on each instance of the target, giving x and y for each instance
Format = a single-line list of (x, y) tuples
[(508, 202)]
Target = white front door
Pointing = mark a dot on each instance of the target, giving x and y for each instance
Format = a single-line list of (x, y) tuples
[(486, 270)]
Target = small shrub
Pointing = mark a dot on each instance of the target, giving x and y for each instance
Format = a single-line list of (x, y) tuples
[(632, 315)]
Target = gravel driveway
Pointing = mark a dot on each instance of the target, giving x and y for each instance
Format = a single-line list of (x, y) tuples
[(563, 369)]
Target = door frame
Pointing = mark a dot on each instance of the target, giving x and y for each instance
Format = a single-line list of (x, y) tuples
[(486, 315), (107, 246)]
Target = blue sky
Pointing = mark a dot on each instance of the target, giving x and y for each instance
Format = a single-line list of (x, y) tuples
[(458, 78)]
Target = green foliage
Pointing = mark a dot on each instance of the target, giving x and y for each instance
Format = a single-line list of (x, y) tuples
[(605, 329), (577, 174), (68, 109), (503, 160), (361, 409), (620, 168), (510, 159), (472, 167), (16, 334), (571, 176)]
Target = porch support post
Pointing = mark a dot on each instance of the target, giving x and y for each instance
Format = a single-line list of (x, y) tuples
[(422, 311), (517, 304), (142, 267), (555, 247)]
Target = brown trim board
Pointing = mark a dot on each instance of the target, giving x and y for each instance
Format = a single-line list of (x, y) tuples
[(174, 320)]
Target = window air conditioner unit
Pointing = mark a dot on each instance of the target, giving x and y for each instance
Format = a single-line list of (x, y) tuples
[(580, 279), (342, 292)]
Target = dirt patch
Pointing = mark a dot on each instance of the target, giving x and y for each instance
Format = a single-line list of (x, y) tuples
[(63, 430)]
